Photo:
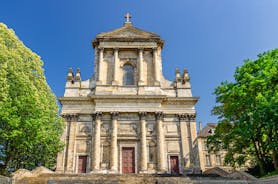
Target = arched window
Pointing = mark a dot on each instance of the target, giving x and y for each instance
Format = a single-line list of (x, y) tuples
[(128, 77)]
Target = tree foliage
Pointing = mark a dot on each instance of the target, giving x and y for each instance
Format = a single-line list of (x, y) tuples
[(30, 127), (248, 113)]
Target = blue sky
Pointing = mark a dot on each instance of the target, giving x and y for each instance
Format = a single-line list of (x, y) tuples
[(208, 37)]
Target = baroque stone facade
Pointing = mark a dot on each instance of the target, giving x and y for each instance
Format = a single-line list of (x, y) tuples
[(128, 118)]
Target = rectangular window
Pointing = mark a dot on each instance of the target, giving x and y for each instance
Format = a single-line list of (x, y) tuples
[(218, 159), (208, 163)]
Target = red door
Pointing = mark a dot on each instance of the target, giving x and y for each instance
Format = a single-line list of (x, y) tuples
[(82, 163), (174, 163), (128, 160)]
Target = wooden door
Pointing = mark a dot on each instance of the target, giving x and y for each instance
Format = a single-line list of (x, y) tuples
[(128, 160), (82, 164), (174, 163)]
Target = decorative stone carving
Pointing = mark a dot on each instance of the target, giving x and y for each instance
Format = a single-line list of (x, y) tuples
[(159, 115), (122, 122), (134, 127), (192, 117), (150, 128), (114, 115), (127, 129), (85, 129), (142, 115), (70, 117), (182, 117), (104, 127), (186, 117), (97, 115)]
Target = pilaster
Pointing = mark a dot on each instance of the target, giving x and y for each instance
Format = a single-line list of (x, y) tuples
[(141, 80), (161, 162), (183, 118), (116, 66), (143, 143), (156, 67), (100, 67), (191, 118), (186, 138), (96, 141), (70, 142), (114, 145)]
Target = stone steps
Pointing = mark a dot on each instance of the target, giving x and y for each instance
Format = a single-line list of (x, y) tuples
[(122, 179)]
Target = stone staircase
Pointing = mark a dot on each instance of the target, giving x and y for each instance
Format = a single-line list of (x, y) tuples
[(54, 178)]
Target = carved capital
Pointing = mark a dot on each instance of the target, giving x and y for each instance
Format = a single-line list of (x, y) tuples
[(114, 115), (142, 115), (70, 117), (192, 117), (183, 117), (116, 49), (186, 117), (159, 115), (97, 115)]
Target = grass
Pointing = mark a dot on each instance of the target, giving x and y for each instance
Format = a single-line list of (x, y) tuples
[(270, 174)]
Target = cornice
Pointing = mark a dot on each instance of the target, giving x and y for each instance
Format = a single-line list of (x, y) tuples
[(127, 97), (181, 99), (82, 100), (163, 98)]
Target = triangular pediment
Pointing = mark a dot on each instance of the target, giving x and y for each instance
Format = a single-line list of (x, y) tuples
[(128, 32)]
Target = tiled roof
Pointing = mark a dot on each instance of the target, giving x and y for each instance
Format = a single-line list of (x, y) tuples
[(207, 130)]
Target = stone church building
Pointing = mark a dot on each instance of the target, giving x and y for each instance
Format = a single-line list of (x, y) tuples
[(128, 118)]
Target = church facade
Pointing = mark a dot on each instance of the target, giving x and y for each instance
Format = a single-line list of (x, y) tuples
[(128, 118)]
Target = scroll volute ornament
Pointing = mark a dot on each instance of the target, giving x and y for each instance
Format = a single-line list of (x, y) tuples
[(186, 117), (97, 115), (70, 117), (142, 115), (114, 115), (159, 115)]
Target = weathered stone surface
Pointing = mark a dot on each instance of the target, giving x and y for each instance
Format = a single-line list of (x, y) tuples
[(40, 170), (22, 173), (242, 175), (123, 179), (5, 180), (128, 80)]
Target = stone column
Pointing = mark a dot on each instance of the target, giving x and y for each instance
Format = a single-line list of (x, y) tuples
[(116, 66), (160, 142), (184, 140), (156, 67), (143, 143), (191, 117), (141, 80), (96, 141), (70, 142), (114, 145), (96, 69), (100, 67)]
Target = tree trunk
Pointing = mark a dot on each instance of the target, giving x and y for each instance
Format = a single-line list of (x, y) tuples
[(275, 159)]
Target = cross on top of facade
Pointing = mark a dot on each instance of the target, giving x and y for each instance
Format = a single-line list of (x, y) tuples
[(127, 16)]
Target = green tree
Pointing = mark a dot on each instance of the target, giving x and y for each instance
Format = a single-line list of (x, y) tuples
[(248, 112), (30, 127)]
